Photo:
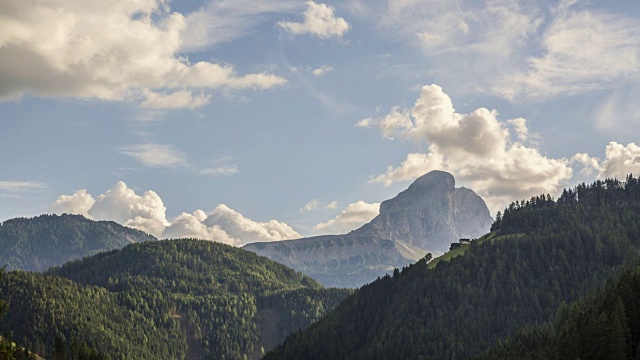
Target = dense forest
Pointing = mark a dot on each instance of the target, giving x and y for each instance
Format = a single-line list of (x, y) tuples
[(38, 243), (541, 253), (601, 326), (171, 299)]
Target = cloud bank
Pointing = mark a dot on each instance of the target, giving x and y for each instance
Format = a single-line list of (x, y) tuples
[(118, 50), (147, 212)]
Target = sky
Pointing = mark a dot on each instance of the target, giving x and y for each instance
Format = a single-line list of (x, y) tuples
[(242, 121)]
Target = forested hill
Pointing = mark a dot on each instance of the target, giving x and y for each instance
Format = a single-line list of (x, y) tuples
[(35, 244), (168, 299), (542, 252), (602, 326)]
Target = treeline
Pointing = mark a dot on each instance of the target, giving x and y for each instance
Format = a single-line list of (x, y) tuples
[(544, 254), (149, 300), (604, 326), (522, 216)]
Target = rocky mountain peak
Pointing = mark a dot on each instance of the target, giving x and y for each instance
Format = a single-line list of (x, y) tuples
[(431, 214), (426, 217), (432, 180)]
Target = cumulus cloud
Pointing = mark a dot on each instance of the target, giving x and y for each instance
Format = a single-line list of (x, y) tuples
[(319, 20), (351, 218), (247, 230), (119, 50), (121, 204), (397, 119), (477, 148), (192, 226), (520, 126), (78, 203), (147, 212), (620, 161)]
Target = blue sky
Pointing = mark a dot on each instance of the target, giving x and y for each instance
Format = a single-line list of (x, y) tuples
[(248, 121)]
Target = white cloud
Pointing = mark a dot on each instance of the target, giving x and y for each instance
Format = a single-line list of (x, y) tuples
[(583, 50), (397, 119), (620, 161), (247, 230), (520, 126), (121, 204), (315, 204), (13, 186), (146, 212), (517, 49), (191, 226), (117, 51), (477, 148), (224, 21), (319, 20), (322, 70), (415, 165), (78, 203), (351, 218), (469, 43), (156, 155)]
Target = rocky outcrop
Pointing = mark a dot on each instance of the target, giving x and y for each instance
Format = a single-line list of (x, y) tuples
[(427, 217), (431, 214), (340, 260)]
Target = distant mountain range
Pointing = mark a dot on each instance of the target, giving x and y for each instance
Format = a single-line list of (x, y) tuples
[(425, 218), (36, 244)]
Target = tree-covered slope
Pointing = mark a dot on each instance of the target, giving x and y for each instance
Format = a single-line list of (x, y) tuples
[(602, 326), (38, 243), (557, 251), (171, 299)]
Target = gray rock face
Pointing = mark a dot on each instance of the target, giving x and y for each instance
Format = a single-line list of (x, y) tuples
[(431, 214), (339, 260), (427, 217)]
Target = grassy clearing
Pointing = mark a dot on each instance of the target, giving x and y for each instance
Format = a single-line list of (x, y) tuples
[(492, 236)]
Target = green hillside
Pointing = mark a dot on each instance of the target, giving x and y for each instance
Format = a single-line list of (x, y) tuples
[(602, 326), (172, 299), (38, 243), (550, 252)]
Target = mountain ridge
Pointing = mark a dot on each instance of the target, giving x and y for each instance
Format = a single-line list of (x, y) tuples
[(426, 217), (35, 244)]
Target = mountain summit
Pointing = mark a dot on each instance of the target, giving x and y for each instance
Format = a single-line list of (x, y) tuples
[(431, 214), (427, 217)]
